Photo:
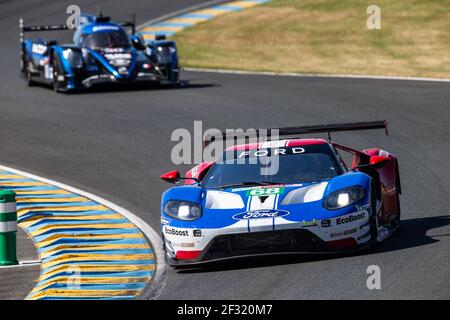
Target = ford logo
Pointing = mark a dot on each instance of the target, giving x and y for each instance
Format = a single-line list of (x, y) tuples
[(260, 214)]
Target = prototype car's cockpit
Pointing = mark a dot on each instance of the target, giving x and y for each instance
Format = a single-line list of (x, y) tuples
[(102, 36)]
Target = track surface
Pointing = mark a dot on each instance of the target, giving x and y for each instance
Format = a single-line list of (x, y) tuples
[(117, 143)]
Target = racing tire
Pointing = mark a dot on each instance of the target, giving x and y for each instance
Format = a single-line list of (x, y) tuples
[(56, 73), (395, 224), (27, 74), (399, 215), (373, 221), (28, 78), (398, 192)]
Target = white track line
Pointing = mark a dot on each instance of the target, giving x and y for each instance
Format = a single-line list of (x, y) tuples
[(313, 75), (23, 264), (158, 280)]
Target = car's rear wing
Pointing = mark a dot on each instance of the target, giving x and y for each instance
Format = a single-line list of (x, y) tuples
[(56, 27), (36, 28), (131, 24), (294, 132)]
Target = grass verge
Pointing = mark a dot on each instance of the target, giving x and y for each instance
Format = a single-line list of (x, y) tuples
[(325, 36)]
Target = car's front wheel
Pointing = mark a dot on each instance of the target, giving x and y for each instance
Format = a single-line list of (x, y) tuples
[(27, 73), (395, 222), (373, 220), (57, 74)]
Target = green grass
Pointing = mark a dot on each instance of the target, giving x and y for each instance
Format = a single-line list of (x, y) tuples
[(325, 36)]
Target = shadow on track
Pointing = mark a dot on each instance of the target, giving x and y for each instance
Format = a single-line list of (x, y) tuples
[(412, 233), (139, 86)]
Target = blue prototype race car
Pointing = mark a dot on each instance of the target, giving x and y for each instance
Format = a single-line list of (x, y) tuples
[(102, 52), (313, 203)]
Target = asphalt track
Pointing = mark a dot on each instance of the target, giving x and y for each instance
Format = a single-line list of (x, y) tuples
[(116, 144)]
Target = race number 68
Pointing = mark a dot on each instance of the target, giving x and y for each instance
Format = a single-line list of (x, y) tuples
[(265, 191)]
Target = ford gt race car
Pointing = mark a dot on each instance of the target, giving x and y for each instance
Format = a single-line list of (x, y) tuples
[(101, 52), (312, 203)]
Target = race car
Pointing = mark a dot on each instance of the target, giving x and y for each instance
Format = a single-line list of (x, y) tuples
[(313, 203), (101, 52)]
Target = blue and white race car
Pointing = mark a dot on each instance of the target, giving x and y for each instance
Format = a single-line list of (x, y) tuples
[(237, 206), (101, 52)]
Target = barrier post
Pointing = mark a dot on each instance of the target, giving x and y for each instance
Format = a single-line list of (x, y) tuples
[(8, 228)]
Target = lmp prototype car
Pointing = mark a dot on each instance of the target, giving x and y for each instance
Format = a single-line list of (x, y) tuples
[(102, 52), (312, 203)]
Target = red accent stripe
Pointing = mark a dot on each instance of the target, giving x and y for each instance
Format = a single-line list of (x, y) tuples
[(342, 244), (188, 255)]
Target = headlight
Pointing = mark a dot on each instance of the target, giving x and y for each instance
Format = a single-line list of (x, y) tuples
[(73, 57), (184, 210), (164, 54), (343, 198)]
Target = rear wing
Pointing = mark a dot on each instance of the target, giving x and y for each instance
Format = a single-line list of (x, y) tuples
[(36, 28), (131, 24), (294, 132), (56, 27)]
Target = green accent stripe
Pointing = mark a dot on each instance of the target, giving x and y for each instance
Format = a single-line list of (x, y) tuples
[(8, 216), (7, 196)]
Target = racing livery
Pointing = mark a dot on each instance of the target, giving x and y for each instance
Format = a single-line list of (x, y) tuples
[(292, 195), (101, 52)]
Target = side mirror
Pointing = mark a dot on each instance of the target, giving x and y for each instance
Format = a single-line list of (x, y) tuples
[(137, 42), (379, 161), (171, 176)]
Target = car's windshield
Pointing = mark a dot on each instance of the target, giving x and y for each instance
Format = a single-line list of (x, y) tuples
[(285, 165), (105, 39)]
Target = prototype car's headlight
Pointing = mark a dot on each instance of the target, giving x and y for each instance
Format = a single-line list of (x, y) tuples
[(343, 198), (184, 210), (74, 58)]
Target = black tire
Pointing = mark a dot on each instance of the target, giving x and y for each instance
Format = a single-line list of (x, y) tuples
[(399, 191), (399, 215), (395, 224), (28, 78), (164, 242), (56, 73), (27, 73), (373, 220)]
